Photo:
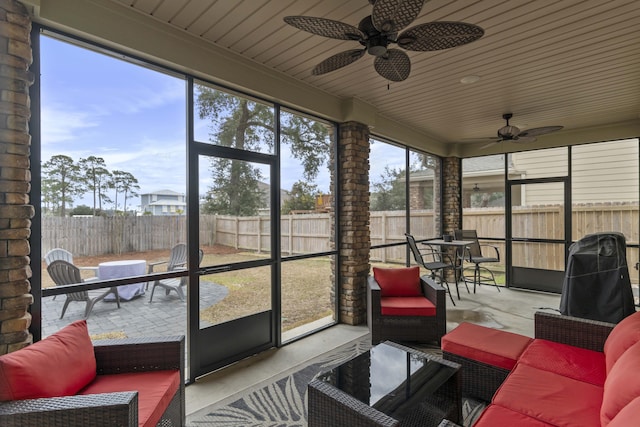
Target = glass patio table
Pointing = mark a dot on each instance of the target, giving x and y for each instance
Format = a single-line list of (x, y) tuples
[(389, 385)]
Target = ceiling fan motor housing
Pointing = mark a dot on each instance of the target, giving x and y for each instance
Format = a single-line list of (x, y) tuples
[(508, 132)]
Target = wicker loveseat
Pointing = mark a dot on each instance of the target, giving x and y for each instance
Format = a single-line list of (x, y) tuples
[(576, 372), (66, 380)]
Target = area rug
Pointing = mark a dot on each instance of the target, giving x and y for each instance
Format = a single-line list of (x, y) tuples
[(281, 401)]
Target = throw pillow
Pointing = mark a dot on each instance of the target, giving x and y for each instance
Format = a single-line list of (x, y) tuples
[(622, 384), (398, 282), (59, 365), (624, 335)]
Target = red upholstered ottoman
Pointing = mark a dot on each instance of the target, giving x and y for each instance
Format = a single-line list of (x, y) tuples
[(487, 356)]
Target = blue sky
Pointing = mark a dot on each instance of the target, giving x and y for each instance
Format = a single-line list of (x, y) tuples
[(132, 117)]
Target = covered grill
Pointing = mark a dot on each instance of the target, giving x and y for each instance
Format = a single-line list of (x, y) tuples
[(596, 284)]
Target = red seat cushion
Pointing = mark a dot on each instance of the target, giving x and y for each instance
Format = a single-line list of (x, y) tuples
[(398, 282), (407, 306), (495, 415), (487, 345), (59, 365), (569, 361), (622, 384), (624, 335), (550, 397), (155, 391)]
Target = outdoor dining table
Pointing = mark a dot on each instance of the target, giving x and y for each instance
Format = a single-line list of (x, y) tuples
[(456, 259), (124, 268)]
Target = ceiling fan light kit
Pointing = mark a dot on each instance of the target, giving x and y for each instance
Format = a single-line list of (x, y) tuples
[(377, 31)]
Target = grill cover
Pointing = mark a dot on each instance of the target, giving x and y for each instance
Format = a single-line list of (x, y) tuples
[(596, 284)]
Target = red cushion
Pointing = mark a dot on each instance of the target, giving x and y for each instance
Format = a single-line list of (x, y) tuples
[(155, 391), (407, 306), (628, 416), (622, 384), (566, 360), (550, 397), (59, 365), (398, 282), (624, 335), (495, 415), (487, 345)]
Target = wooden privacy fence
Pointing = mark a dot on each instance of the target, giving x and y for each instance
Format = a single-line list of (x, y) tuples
[(90, 236)]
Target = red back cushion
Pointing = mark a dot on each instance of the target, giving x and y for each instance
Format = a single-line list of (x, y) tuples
[(628, 416), (398, 282), (622, 384), (624, 335), (59, 365)]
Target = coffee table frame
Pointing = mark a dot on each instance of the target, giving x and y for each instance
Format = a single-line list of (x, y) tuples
[(331, 407)]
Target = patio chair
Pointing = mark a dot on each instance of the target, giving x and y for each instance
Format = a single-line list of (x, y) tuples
[(474, 254), (56, 254), (174, 284), (402, 306), (177, 260), (432, 259), (65, 273)]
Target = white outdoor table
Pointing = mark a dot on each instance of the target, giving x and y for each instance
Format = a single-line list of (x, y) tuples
[(125, 268)]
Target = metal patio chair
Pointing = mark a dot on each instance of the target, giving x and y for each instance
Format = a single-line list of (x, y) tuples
[(474, 254), (432, 259)]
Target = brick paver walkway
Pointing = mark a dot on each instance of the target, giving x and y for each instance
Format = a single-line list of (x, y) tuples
[(166, 315)]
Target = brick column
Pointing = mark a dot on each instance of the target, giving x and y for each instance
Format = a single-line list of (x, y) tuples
[(451, 190), (354, 241), (15, 176)]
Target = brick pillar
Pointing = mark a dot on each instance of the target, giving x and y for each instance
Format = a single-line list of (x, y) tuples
[(15, 176), (451, 190), (353, 206)]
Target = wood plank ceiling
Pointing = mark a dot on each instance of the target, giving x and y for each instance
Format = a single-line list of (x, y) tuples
[(574, 63)]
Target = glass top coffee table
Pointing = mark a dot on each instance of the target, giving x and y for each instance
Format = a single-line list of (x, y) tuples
[(390, 385)]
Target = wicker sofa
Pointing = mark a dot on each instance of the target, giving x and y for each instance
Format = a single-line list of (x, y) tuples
[(576, 372), (124, 382)]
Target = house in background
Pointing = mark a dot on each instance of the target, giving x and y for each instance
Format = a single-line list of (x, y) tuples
[(163, 202)]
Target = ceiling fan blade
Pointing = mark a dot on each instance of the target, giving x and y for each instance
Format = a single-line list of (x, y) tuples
[(338, 61), (539, 131), (394, 65), (390, 16), (325, 27), (523, 139), (439, 35), (490, 144)]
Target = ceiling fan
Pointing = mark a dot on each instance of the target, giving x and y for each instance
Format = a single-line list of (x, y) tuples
[(513, 133), (380, 29)]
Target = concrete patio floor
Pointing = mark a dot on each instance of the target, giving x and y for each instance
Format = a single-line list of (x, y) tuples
[(509, 309)]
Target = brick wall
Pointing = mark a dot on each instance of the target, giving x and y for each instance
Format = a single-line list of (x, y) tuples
[(353, 205), (15, 176), (451, 189)]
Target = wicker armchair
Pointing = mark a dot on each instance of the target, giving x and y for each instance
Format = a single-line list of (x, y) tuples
[(407, 328), (108, 409)]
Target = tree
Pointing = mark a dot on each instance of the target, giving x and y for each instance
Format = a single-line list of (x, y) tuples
[(83, 210), (125, 183), (61, 182), (247, 125), (388, 194), (96, 175), (303, 197)]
